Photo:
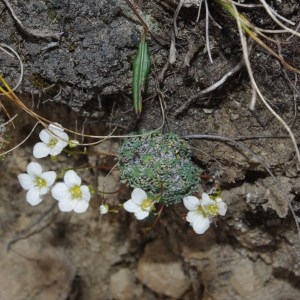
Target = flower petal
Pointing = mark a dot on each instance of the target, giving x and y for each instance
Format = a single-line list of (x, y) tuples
[(130, 206), (34, 169), (86, 194), (192, 216), (64, 138), (138, 195), (201, 224), (81, 206), (191, 202), (140, 215), (26, 181), (205, 200), (57, 149), (71, 178), (66, 204), (49, 177), (222, 208), (40, 150), (55, 126), (45, 136), (60, 191), (57, 131), (43, 190), (33, 197)]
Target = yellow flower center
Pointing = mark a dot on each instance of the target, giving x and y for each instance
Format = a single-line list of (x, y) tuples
[(40, 182), (212, 210), (76, 192), (146, 204), (52, 142)]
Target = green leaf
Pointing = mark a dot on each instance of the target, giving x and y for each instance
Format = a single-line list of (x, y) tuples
[(141, 69)]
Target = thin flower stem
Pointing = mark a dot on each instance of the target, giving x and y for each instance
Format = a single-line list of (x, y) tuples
[(21, 143)]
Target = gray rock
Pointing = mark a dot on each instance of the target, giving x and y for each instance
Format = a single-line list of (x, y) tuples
[(122, 285), (162, 271)]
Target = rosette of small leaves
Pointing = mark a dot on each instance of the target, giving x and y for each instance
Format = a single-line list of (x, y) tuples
[(160, 164)]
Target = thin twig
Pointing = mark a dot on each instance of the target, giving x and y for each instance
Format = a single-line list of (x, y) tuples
[(207, 31), (246, 5), (228, 4), (172, 52), (2, 47), (155, 36), (209, 89), (15, 147), (176, 13), (199, 11), (258, 137), (135, 11), (9, 121), (273, 14), (32, 32), (10, 95)]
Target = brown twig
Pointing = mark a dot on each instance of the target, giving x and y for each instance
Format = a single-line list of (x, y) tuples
[(156, 37), (32, 32), (135, 11), (209, 89)]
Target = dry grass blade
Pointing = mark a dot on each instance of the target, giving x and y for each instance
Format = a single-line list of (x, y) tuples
[(9, 94), (207, 31), (2, 47), (21, 143), (255, 86), (247, 25), (176, 13), (274, 16)]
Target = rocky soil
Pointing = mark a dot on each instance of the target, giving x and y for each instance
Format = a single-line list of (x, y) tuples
[(78, 73)]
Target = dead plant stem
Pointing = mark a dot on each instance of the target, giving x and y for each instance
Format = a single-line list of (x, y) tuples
[(32, 32)]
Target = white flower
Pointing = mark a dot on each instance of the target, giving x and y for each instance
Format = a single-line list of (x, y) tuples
[(202, 210), (139, 204), (36, 182), (71, 194), (54, 140), (104, 209)]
